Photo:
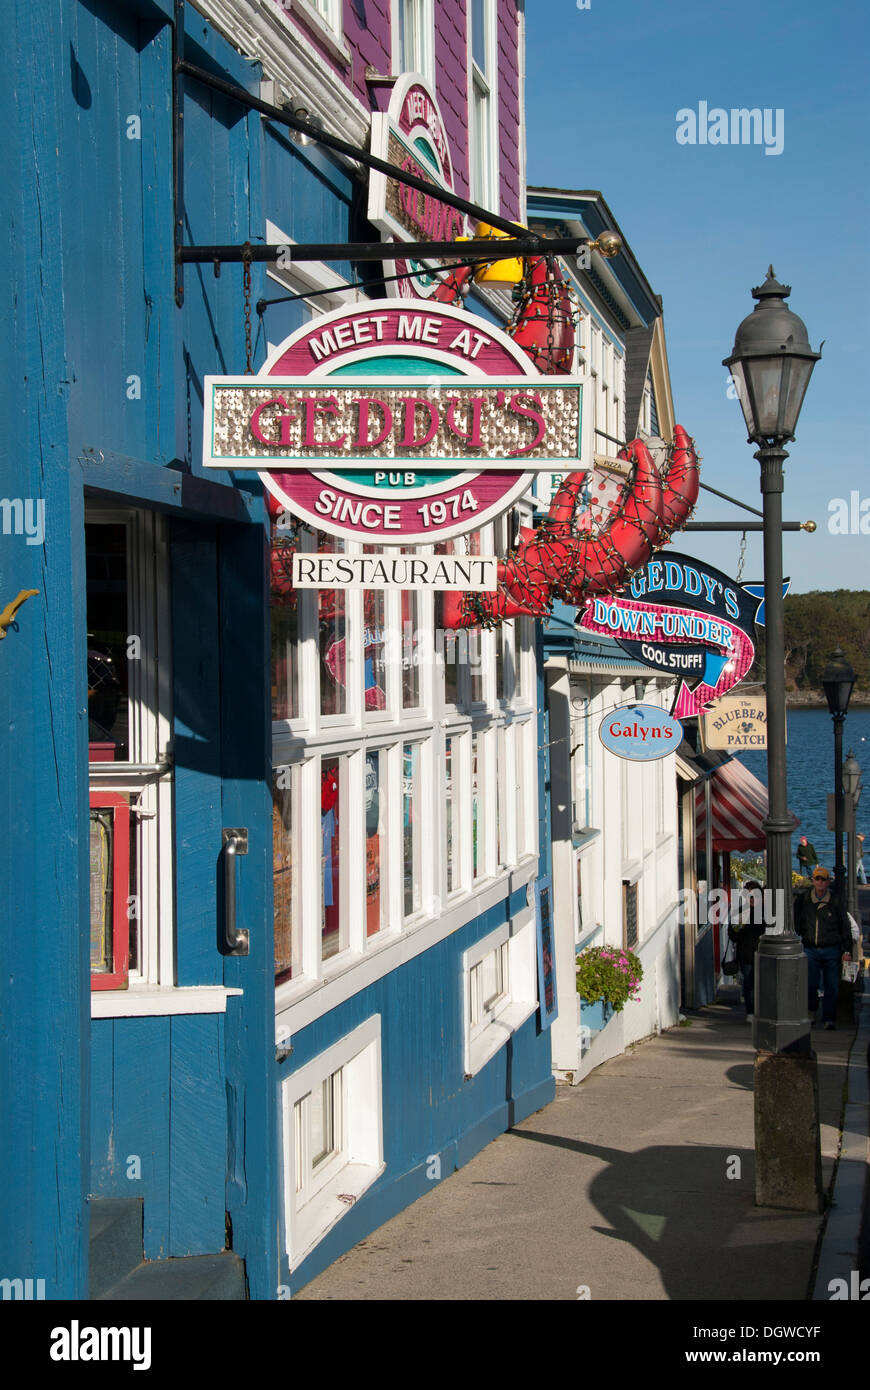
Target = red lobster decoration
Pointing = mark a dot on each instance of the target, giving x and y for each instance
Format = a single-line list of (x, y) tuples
[(560, 560)]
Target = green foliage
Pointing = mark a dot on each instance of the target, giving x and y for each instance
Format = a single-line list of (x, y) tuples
[(815, 624), (605, 973), (744, 867)]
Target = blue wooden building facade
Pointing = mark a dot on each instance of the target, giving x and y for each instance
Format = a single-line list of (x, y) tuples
[(139, 1059)]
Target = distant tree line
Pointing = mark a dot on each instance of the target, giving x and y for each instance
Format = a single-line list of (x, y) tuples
[(816, 623)]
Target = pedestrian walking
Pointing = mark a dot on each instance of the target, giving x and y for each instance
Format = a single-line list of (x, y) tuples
[(806, 856), (860, 871), (746, 930), (821, 922)]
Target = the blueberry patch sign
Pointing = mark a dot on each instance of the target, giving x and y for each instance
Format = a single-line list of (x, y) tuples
[(683, 618), (640, 733)]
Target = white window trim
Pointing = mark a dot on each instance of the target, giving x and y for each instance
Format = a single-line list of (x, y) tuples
[(359, 1056), (299, 1002), (153, 1002), (514, 1007), (329, 32), (307, 275), (427, 67), (488, 196), (151, 988)]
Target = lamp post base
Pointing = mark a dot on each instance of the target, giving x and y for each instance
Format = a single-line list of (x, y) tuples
[(788, 1157)]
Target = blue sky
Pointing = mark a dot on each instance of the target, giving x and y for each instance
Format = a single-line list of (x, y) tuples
[(603, 89)]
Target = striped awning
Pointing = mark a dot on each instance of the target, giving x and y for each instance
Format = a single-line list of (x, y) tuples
[(738, 805)]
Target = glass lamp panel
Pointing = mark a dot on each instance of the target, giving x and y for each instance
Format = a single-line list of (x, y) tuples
[(795, 386), (739, 379), (764, 377)]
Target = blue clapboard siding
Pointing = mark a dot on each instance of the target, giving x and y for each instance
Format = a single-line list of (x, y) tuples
[(249, 1167), (43, 868), (135, 1053), (428, 1106)]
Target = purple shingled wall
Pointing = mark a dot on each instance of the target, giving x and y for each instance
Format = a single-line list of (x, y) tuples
[(508, 108), (367, 36), (451, 81)]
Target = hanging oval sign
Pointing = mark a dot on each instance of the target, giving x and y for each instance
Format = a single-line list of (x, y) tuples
[(392, 426), (640, 733)]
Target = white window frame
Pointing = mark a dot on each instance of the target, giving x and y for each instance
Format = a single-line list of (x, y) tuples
[(312, 1211), (149, 742), (499, 1018), (484, 184), (423, 58), (324, 18)]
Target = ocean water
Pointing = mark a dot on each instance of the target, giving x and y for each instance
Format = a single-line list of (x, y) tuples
[(810, 757)]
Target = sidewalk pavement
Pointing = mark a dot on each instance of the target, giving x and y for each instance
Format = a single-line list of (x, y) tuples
[(637, 1184)]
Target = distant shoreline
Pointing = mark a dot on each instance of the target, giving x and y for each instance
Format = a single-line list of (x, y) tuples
[(813, 700)]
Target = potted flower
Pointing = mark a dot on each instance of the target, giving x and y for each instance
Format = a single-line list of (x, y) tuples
[(608, 975)]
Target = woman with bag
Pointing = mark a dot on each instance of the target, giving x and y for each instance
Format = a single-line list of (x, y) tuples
[(745, 933)]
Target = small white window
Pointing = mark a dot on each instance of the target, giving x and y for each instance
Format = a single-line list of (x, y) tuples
[(414, 35), (500, 989), (333, 1136), (482, 101), (327, 10)]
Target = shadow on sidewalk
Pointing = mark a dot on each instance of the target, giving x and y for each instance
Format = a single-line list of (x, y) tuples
[(689, 1208), (678, 1207)]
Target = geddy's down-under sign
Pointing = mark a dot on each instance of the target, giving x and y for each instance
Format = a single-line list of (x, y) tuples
[(394, 424)]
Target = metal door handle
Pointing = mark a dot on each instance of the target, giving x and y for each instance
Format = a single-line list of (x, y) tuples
[(235, 842)]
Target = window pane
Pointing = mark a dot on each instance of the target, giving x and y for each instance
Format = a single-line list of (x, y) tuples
[(101, 889), (108, 629), (447, 641), (526, 797), (521, 628), (474, 979), (477, 849), (410, 653), (377, 895), (475, 637), (449, 773), (298, 1132), (373, 649), (331, 638), (411, 827), (284, 877), (332, 795), (284, 614), (500, 800), (478, 33)]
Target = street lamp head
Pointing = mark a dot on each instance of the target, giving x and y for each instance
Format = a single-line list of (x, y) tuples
[(771, 365), (852, 777), (838, 679)]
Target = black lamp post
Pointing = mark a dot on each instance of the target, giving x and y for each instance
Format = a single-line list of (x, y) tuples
[(771, 365), (837, 680)]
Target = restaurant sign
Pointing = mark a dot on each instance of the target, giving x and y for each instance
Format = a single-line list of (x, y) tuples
[(412, 135), (391, 426), (685, 619)]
